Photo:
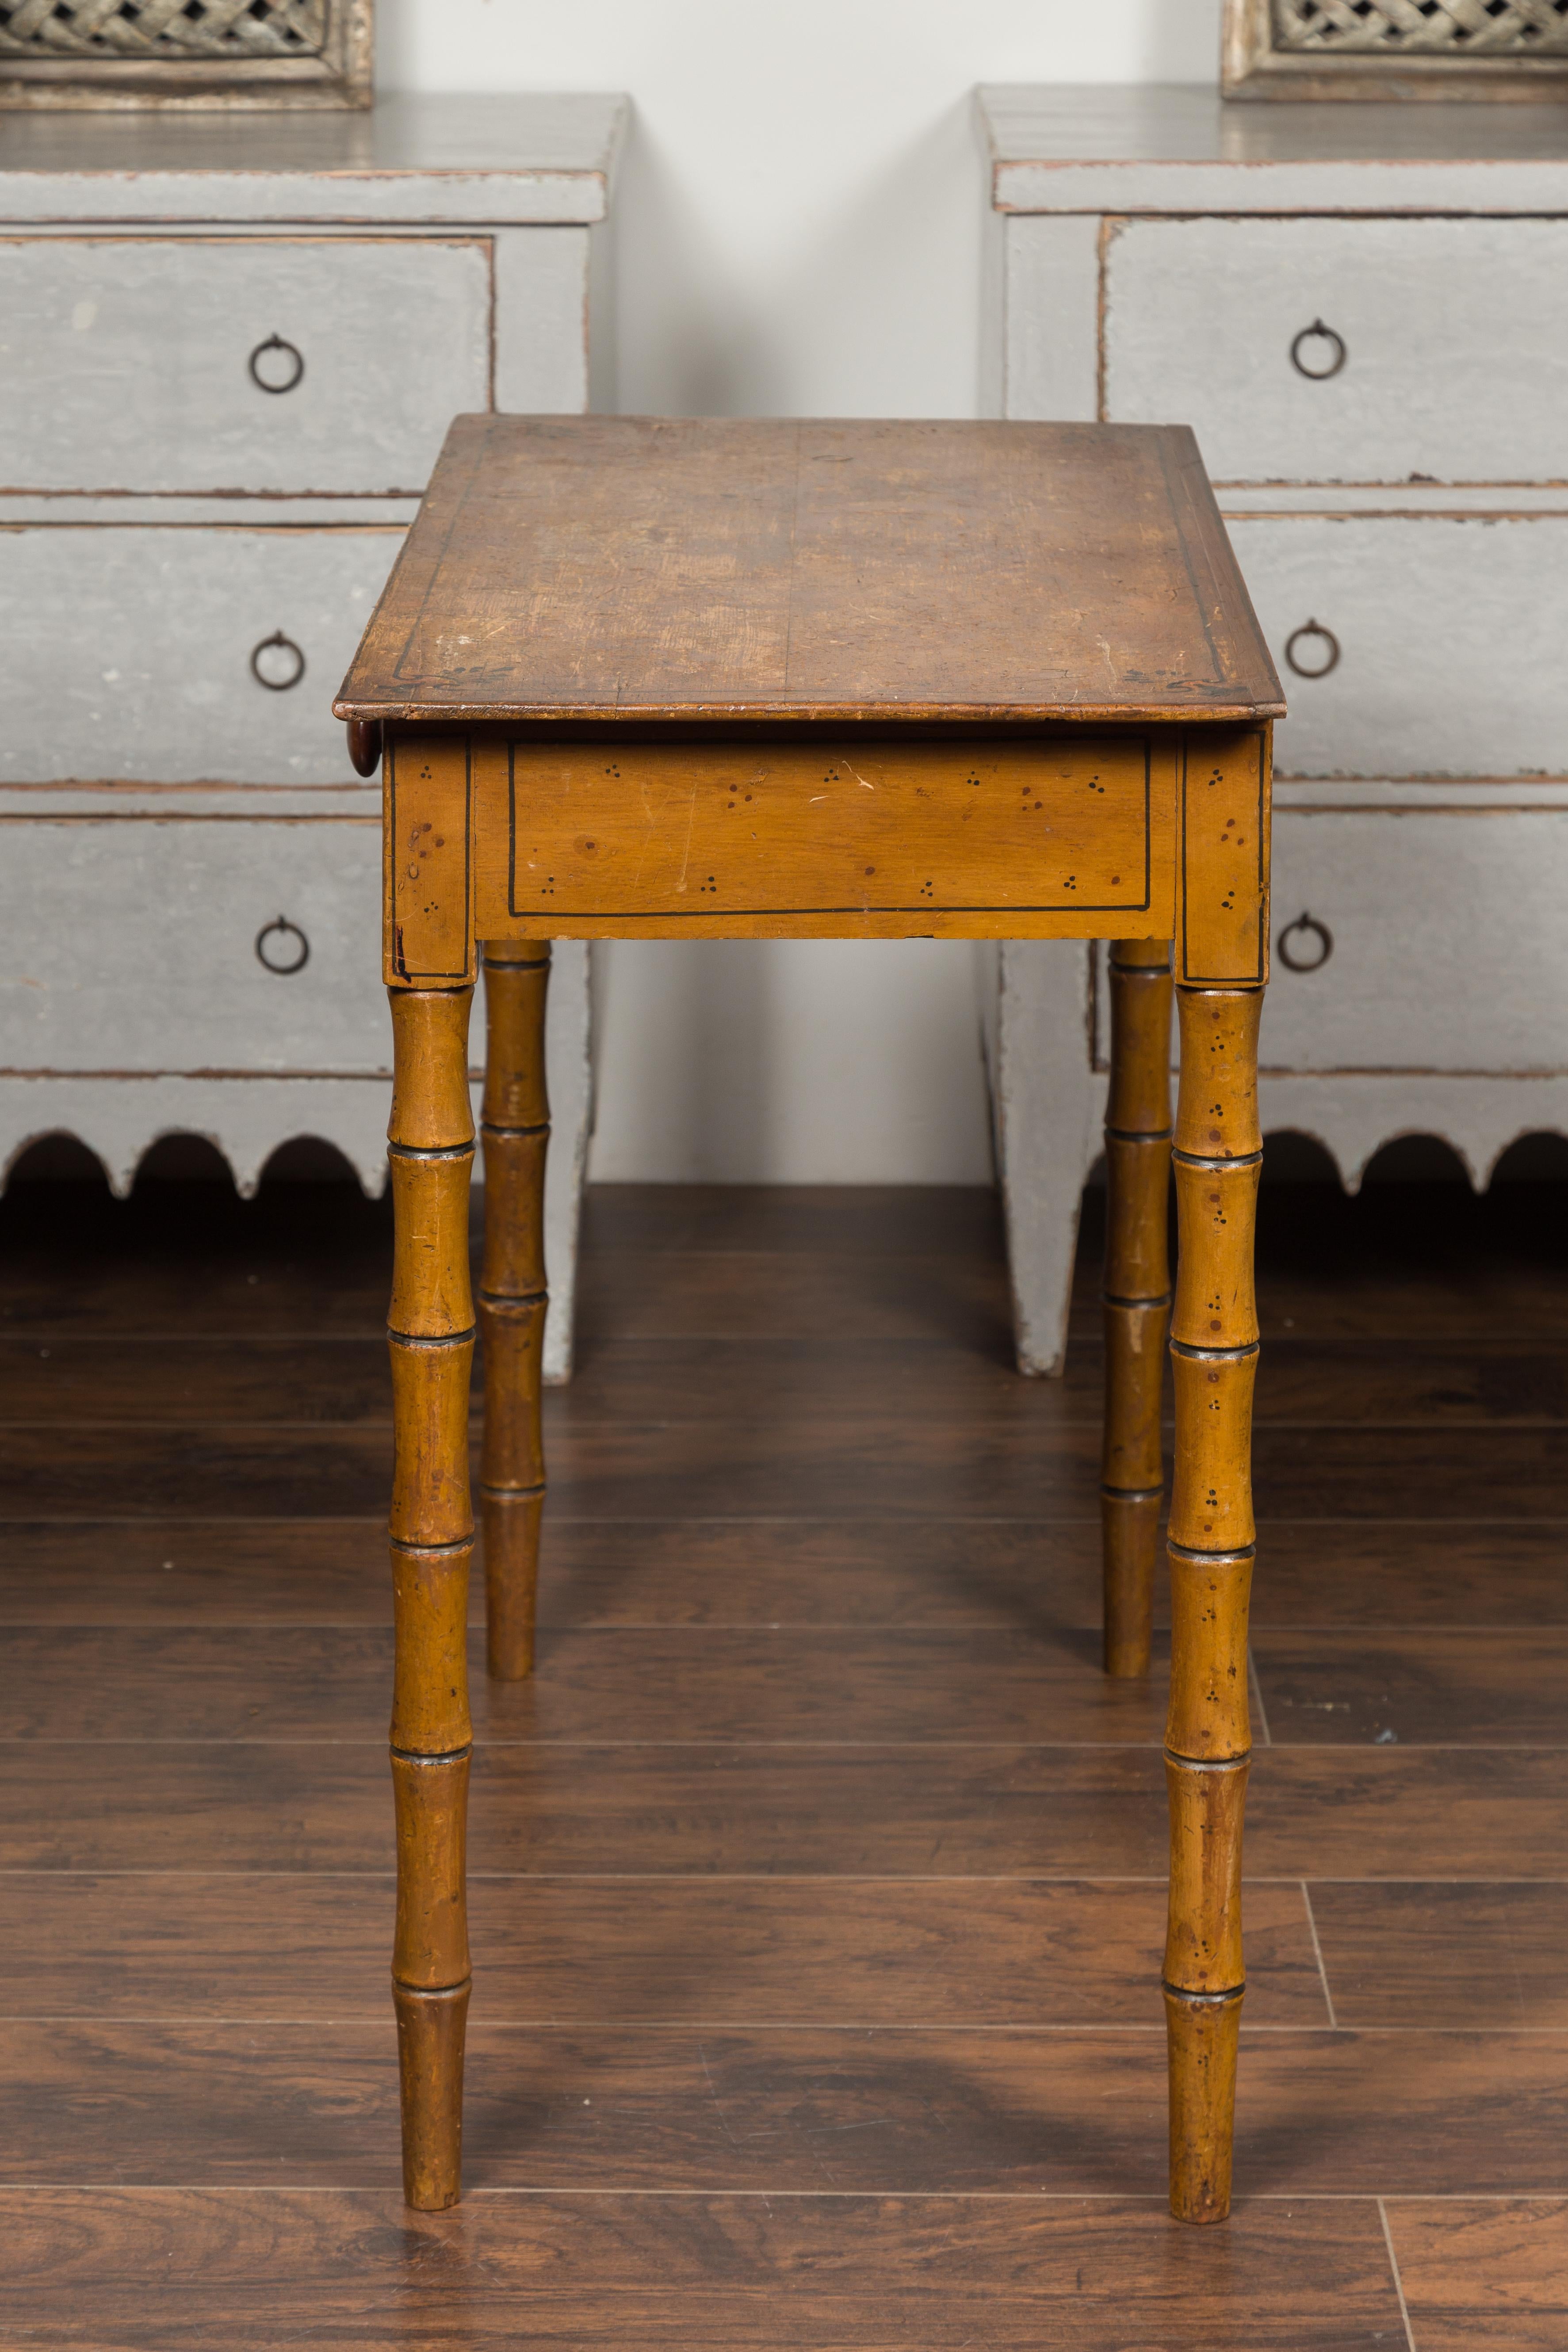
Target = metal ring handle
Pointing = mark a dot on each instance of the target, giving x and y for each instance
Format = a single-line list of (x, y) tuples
[(299, 956), (1330, 644), (1308, 925), (277, 685), (1318, 332), (295, 362)]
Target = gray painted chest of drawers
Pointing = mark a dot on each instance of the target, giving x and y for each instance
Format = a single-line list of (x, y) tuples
[(1363, 311), (218, 422)]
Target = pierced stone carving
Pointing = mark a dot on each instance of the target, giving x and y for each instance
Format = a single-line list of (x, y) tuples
[(1395, 48), (1516, 29), (162, 29), (185, 53)]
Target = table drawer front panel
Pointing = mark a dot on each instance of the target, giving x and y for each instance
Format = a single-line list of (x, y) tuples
[(1437, 942), (164, 363), (1069, 837), (132, 944), (1454, 336), (1439, 641), (136, 652)]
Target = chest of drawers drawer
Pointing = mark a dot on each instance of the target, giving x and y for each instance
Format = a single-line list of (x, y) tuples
[(152, 653), (255, 363), (1480, 935), (193, 944), (1437, 648), (1445, 355), (1473, 974)]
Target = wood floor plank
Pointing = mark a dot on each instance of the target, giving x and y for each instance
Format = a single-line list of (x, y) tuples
[(800, 2274), (1022, 1575), (1433, 1688), (1484, 2277), (808, 1467), (311, 1683), (1447, 1955), (653, 1472), (864, 1812), (193, 1380), (877, 1220), (871, 2111), (699, 1951), (1451, 1688)]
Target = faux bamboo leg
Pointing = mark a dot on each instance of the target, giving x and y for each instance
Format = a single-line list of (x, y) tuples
[(1137, 1295), (431, 1333), (1213, 1347), (515, 1128)]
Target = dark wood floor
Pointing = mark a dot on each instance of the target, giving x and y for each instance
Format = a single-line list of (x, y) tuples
[(817, 1895)]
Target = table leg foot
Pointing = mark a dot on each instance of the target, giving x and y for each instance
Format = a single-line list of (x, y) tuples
[(1202, 2037), (1137, 1293), (431, 2027), (431, 1339), (1213, 1349), (513, 1300)]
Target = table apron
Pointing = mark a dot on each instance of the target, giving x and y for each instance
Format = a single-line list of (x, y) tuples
[(1148, 834)]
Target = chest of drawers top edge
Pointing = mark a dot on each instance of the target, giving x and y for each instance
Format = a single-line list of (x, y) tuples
[(521, 158)]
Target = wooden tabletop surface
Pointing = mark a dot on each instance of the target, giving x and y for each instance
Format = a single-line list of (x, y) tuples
[(638, 570)]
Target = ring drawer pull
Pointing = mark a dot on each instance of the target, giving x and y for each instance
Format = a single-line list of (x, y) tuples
[(1336, 353), (1331, 646), (291, 655), (291, 951), (286, 374), (1310, 931)]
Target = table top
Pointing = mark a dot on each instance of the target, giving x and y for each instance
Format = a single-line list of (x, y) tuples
[(628, 571)]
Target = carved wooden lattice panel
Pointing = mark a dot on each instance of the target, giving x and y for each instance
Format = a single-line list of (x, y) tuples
[(162, 29), (1451, 28)]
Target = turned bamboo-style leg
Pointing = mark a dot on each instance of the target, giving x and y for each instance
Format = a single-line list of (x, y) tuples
[(514, 1127), (1213, 1349), (1137, 1295), (431, 1333)]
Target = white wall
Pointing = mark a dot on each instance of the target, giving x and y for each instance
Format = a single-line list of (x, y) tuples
[(798, 227)]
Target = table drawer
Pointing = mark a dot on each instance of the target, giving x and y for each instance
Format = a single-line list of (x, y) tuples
[(1444, 655), (129, 652), (149, 363), (1442, 944), (132, 944), (1454, 333)]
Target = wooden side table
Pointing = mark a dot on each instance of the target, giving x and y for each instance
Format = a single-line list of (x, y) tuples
[(638, 678)]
